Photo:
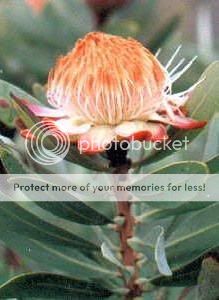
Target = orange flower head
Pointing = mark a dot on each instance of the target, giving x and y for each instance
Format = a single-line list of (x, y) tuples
[(37, 5), (107, 80), (111, 88)]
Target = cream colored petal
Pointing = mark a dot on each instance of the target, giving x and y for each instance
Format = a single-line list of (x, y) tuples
[(139, 130), (96, 139), (126, 129), (72, 126)]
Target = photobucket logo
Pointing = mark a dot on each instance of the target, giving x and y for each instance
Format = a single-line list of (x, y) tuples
[(136, 145), (45, 144)]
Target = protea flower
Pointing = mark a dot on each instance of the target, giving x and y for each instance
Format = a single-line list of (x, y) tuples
[(37, 5), (109, 88)]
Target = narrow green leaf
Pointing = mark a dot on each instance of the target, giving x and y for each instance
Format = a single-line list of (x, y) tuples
[(65, 259), (13, 217), (95, 163), (183, 167), (52, 286), (147, 244), (84, 232), (213, 165), (184, 277), (8, 116), (203, 103), (71, 208), (76, 211), (27, 117), (197, 232), (149, 214), (109, 255), (11, 159)]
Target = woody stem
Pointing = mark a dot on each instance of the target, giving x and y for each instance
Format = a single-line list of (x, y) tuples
[(121, 164)]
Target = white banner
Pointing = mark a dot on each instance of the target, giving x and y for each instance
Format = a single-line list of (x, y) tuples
[(108, 187)]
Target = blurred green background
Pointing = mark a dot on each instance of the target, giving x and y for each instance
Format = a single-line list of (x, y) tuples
[(30, 42), (32, 39)]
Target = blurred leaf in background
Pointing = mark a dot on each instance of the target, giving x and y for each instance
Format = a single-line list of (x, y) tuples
[(76, 243), (41, 37), (31, 42)]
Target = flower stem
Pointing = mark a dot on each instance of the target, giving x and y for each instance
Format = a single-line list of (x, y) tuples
[(121, 164)]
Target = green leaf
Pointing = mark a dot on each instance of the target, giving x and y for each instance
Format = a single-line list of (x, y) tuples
[(135, 20), (191, 237), (51, 241), (84, 232), (23, 113), (146, 244), (197, 232), (184, 277), (115, 297), (152, 246), (7, 116), (208, 283), (164, 33), (203, 148), (16, 218), (7, 88), (59, 257), (95, 163), (71, 208), (109, 255), (213, 165), (36, 36), (165, 293), (149, 214), (76, 211), (52, 286), (203, 103), (12, 161), (183, 167)]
